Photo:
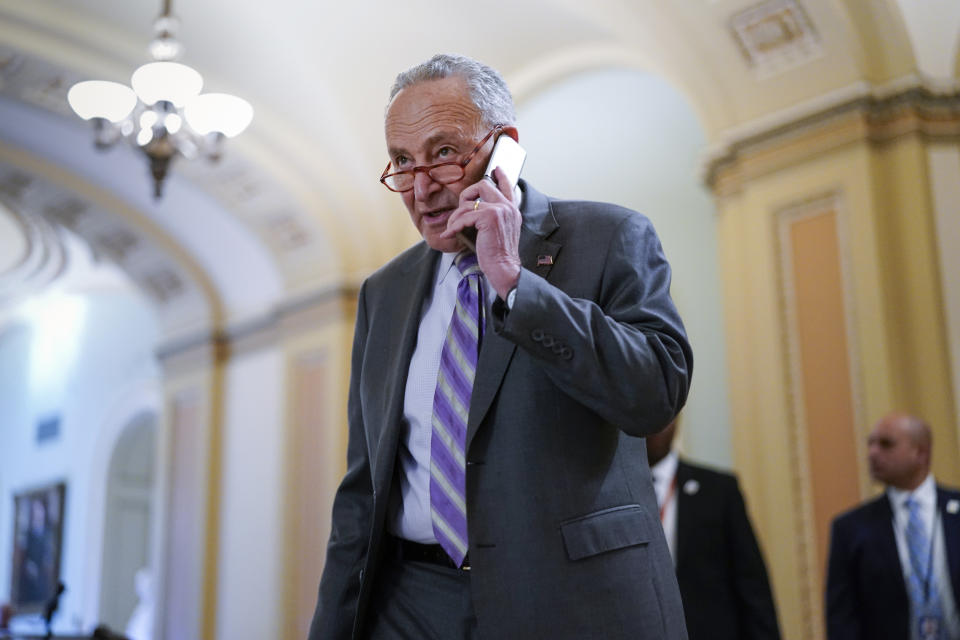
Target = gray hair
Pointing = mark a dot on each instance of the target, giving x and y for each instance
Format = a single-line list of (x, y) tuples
[(488, 91)]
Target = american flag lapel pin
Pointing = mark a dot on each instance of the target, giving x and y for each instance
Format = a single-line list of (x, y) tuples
[(544, 260)]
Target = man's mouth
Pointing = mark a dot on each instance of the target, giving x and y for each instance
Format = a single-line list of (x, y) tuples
[(436, 214)]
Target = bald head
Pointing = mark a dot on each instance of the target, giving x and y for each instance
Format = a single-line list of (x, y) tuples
[(899, 450)]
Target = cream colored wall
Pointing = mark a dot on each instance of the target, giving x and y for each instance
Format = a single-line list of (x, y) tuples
[(915, 323), (317, 347), (254, 442), (189, 498), (944, 163)]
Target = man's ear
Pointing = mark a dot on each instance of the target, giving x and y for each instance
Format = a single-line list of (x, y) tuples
[(512, 132)]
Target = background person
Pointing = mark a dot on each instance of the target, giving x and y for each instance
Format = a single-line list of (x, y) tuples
[(723, 579), (894, 567)]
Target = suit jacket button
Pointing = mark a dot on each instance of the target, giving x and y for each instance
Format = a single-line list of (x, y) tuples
[(537, 335)]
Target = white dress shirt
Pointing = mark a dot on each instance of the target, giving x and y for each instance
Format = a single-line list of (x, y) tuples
[(410, 517), (665, 485), (926, 498)]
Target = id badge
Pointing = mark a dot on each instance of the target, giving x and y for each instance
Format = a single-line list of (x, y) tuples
[(929, 627)]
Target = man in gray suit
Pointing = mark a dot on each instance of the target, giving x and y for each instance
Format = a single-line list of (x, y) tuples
[(536, 517)]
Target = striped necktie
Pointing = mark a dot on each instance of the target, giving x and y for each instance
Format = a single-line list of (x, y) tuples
[(451, 407), (921, 584)]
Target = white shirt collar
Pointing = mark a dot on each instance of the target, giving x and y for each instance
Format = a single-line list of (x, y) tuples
[(446, 262), (445, 267), (925, 494), (663, 473)]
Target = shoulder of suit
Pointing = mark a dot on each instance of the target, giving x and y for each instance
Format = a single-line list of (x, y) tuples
[(706, 473), (951, 492), (574, 209), (597, 211), (402, 262), (870, 510), (948, 498)]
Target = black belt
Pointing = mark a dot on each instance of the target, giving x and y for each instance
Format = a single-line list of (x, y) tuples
[(410, 551)]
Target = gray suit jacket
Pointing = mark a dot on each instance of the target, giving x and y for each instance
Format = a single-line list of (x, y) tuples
[(565, 540)]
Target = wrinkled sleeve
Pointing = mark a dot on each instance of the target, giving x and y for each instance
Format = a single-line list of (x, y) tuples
[(624, 354)]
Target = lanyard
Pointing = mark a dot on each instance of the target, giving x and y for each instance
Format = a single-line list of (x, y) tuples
[(928, 579)]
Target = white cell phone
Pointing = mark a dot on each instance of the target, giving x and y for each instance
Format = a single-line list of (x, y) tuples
[(509, 156)]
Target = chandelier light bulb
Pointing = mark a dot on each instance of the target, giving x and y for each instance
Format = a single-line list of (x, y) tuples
[(168, 81), (148, 119), (145, 136), (101, 99), (220, 113), (173, 122)]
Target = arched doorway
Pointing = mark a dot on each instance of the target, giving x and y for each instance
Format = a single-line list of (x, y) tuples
[(128, 519)]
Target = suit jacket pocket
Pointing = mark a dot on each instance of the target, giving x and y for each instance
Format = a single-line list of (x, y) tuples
[(605, 530)]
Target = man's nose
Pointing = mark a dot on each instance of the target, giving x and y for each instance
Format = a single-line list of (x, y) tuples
[(423, 185)]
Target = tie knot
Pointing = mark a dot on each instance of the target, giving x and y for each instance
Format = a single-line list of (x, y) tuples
[(911, 505), (466, 262)]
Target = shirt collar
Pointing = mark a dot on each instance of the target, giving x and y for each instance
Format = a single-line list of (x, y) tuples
[(666, 468), (446, 264), (925, 494)]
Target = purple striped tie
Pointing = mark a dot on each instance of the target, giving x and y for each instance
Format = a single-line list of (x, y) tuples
[(451, 406)]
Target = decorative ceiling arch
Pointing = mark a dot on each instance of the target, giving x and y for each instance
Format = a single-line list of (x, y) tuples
[(882, 44), (263, 196), (37, 255), (185, 300), (554, 67)]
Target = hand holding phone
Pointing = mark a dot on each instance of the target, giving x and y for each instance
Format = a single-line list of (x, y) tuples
[(510, 157)]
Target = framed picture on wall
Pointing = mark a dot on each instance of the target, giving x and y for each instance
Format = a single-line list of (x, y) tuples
[(37, 541)]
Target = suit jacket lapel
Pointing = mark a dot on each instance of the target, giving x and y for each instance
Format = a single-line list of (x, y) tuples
[(405, 306), (538, 255), (889, 553)]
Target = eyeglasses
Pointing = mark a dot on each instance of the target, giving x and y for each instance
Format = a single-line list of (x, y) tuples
[(443, 172)]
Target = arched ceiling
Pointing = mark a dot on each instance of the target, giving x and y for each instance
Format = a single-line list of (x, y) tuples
[(301, 183)]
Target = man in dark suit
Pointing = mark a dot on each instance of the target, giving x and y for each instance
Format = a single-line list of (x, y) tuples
[(894, 568), (540, 521), (723, 579)]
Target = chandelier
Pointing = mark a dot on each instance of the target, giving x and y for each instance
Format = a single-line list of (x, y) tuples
[(163, 114)]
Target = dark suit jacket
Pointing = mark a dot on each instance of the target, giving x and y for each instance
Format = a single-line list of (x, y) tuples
[(722, 576), (866, 594), (565, 540)]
